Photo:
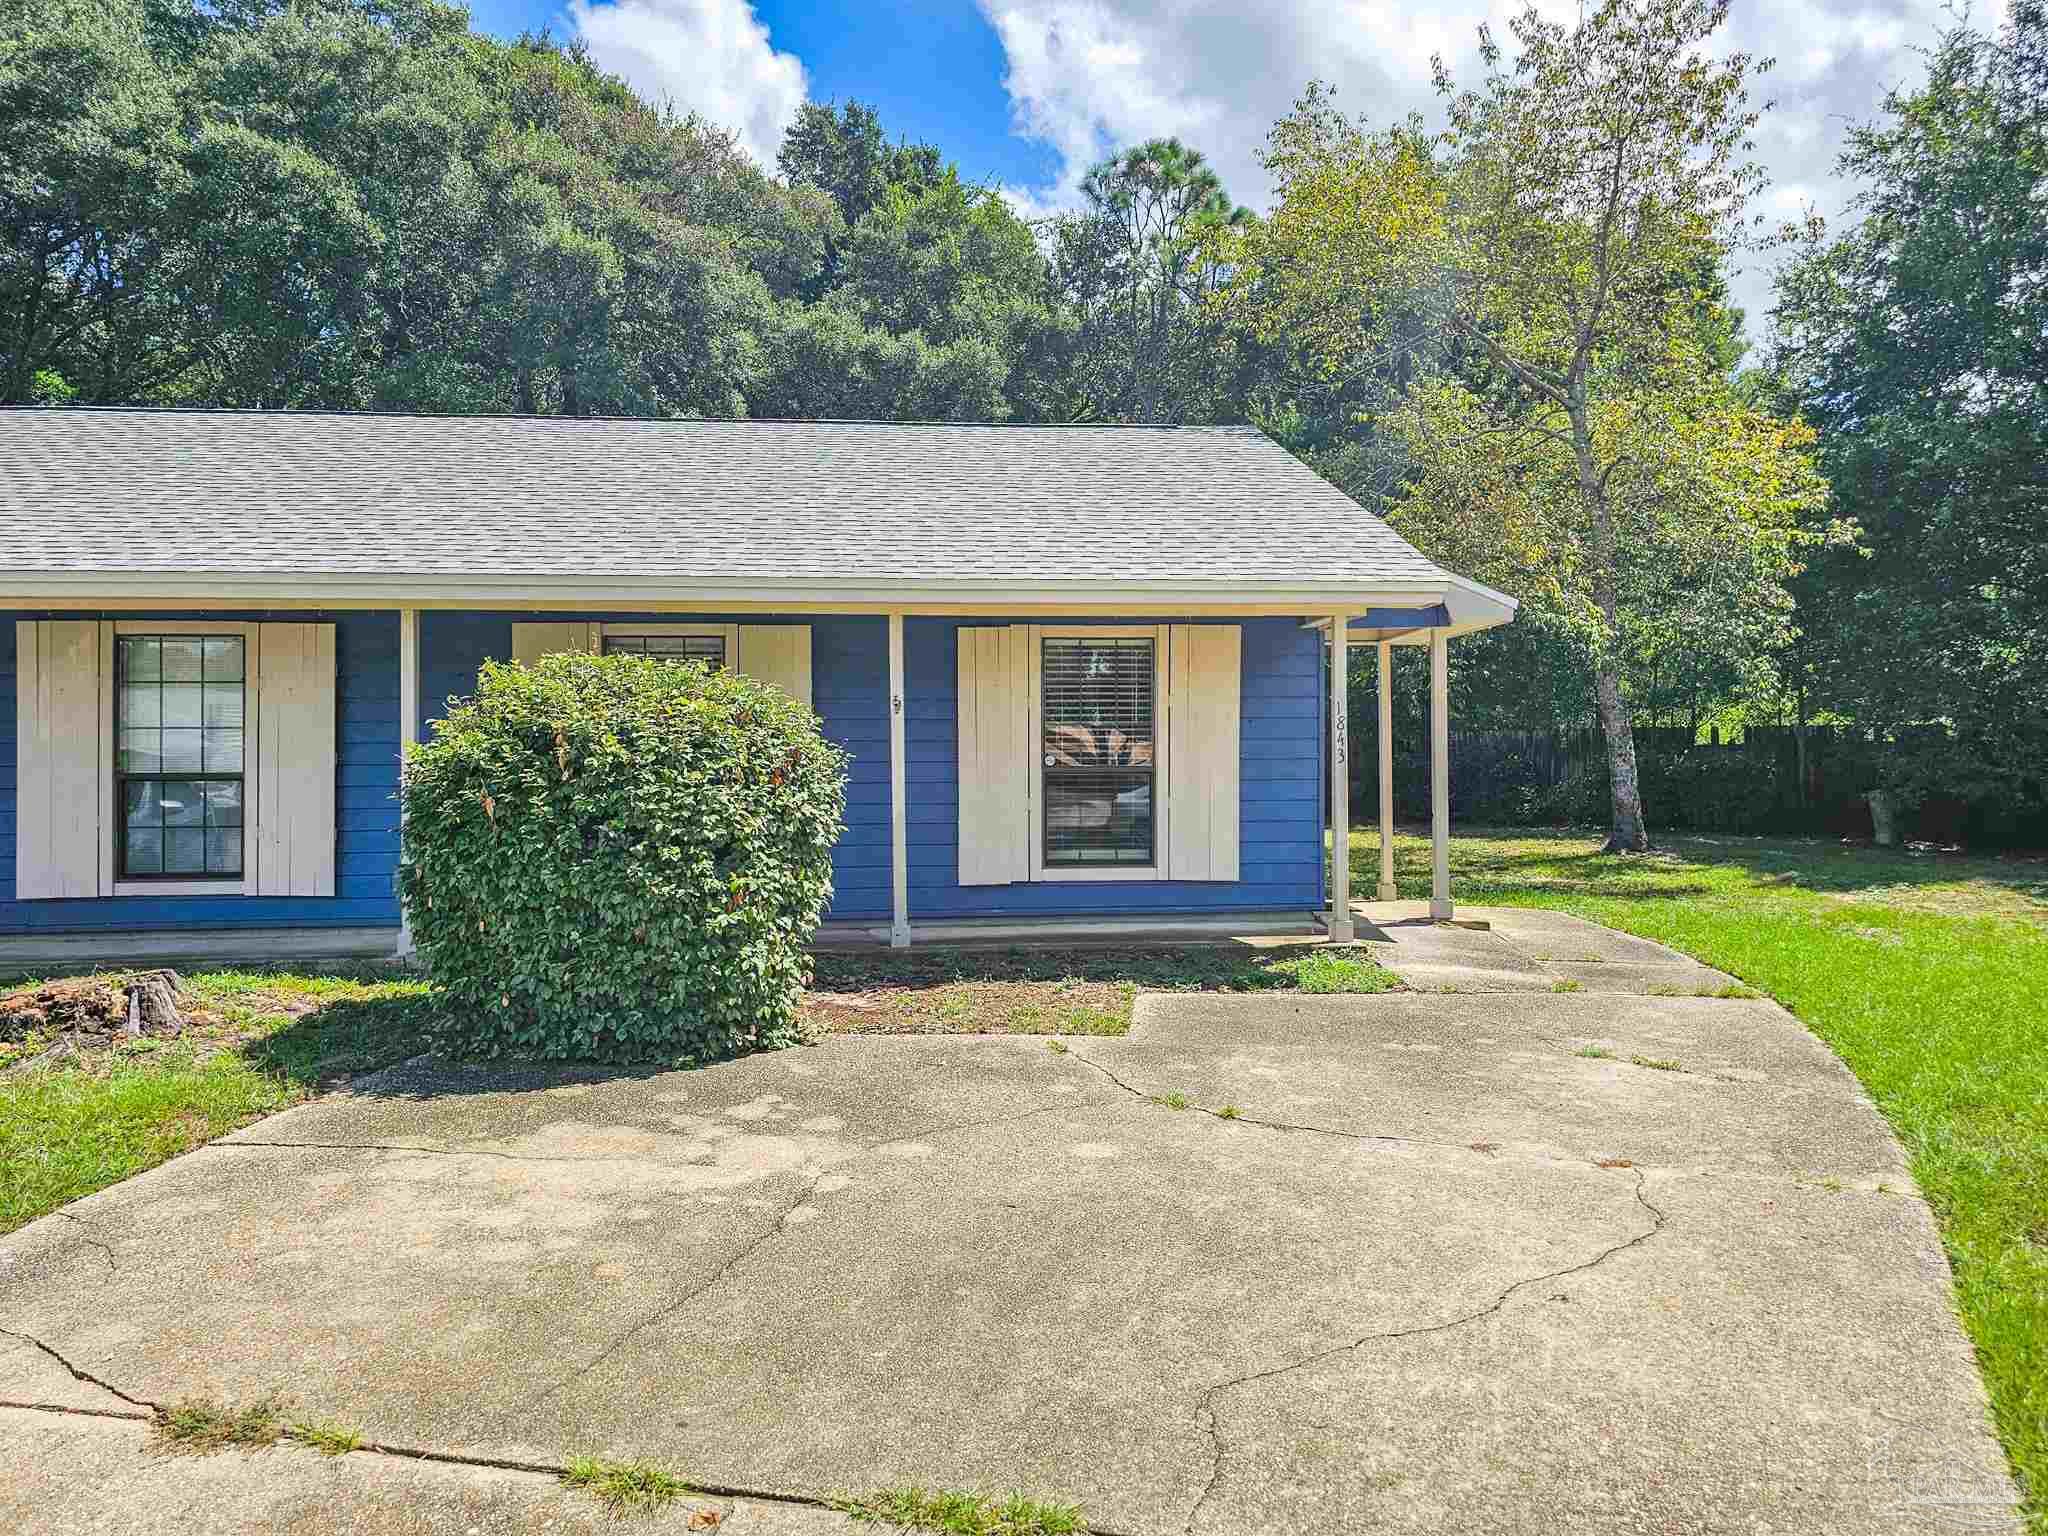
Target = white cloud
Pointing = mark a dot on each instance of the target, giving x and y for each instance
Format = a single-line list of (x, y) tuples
[(712, 57), (1089, 76)]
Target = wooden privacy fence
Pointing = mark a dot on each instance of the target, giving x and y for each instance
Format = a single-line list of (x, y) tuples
[(1756, 783)]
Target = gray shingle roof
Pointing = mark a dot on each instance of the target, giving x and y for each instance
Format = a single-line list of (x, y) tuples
[(831, 502)]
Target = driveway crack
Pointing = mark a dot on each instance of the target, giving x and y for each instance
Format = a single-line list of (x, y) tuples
[(775, 1228), (1205, 1405), (1289, 1126), (79, 1375), (86, 1236)]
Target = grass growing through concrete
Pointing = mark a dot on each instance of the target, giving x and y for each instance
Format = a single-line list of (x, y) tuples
[(261, 1040), (624, 1487), (199, 1426), (964, 1514), (1076, 990), (327, 1439), (1928, 974)]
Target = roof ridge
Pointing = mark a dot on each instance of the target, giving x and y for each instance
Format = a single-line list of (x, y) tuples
[(289, 413)]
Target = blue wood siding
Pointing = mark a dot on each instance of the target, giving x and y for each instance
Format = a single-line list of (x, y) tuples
[(1280, 786), (1281, 776), (366, 814)]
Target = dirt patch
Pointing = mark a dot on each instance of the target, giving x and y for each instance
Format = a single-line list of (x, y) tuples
[(1071, 1007)]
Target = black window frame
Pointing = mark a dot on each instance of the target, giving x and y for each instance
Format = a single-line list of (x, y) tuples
[(1064, 863), (123, 777), (605, 646)]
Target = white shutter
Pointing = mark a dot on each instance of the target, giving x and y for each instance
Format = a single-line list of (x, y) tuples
[(295, 760), (61, 757), (995, 755), (530, 642), (1205, 665), (779, 654)]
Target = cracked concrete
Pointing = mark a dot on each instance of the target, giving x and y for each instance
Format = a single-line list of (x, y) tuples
[(1398, 1291)]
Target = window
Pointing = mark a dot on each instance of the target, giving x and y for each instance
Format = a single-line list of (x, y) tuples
[(709, 649), (180, 709), (1099, 749)]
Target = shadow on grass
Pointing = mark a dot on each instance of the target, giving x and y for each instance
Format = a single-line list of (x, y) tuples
[(1571, 862)]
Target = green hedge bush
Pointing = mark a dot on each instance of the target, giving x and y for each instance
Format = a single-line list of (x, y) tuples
[(619, 859)]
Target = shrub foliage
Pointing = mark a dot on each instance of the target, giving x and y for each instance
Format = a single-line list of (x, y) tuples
[(621, 859)]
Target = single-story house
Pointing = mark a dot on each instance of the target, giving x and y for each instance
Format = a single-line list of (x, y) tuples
[(1083, 673)]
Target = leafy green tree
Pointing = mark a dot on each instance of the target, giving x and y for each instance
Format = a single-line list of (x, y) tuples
[(1139, 267), (1917, 340), (1555, 384), (95, 269)]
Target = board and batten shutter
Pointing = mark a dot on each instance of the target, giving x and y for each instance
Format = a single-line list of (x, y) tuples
[(530, 642), (1205, 667), (294, 761), (779, 654), (60, 757), (995, 754)]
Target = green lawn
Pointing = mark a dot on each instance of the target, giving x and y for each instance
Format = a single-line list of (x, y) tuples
[(69, 1129), (1926, 972)]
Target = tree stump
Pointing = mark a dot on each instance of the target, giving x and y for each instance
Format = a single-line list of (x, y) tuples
[(145, 1003), (153, 1003)]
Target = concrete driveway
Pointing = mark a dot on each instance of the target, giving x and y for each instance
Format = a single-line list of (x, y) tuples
[(1407, 1263)]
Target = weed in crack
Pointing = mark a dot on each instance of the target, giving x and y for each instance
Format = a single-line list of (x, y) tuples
[(624, 1487), (199, 1426), (1657, 1063), (963, 1514), (1174, 1100), (327, 1439)]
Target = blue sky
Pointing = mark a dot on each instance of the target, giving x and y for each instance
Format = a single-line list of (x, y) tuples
[(1029, 93), (933, 69)]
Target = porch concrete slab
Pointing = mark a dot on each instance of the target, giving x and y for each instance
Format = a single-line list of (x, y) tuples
[(986, 1263), (1524, 950), (1546, 935), (73, 1476), (1658, 980)]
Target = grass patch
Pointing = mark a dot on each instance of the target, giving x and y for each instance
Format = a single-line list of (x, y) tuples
[(964, 1514), (1596, 1052), (1337, 970), (327, 1439), (624, 1487), (1926, 972), (277, 1036), (198, 1426)]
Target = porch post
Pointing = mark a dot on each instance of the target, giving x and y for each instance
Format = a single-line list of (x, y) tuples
[(899, 836), (1439, 776), (1386, 744), (408, 731), (1340, 928)]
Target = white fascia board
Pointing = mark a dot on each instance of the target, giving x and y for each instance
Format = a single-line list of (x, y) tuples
[(260, 589)]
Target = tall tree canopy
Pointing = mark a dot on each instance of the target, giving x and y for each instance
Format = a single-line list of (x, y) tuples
[(1137, 267), (1524, 288), (1917, 340)]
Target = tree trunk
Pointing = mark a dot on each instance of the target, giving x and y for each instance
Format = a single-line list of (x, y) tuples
[(1628, 834)]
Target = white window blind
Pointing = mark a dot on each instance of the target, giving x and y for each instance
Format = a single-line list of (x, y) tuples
[(1099, 744)]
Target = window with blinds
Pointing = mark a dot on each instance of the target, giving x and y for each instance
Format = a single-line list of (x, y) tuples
[(1098, 737), (709, 649)]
